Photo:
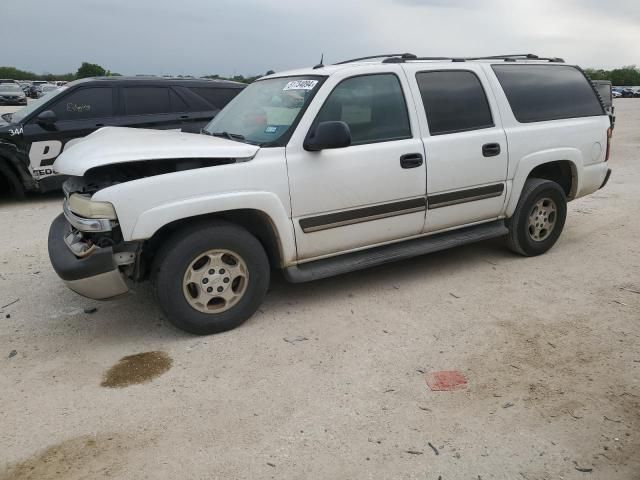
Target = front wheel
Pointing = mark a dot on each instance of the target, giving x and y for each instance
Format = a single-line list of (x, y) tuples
[(211, 277), (538, 219)]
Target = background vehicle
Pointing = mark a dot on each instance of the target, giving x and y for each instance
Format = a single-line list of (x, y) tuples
[(326, 170), (12, 94), (36, 88), (616, 94), (627, 92), (33, 137)]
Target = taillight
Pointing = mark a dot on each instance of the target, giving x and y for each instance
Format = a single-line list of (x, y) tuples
[(609, 134)]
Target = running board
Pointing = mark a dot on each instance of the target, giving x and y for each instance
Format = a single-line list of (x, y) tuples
[(328, 267)]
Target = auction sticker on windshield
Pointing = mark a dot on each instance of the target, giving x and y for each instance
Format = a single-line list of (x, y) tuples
[(300, 85)]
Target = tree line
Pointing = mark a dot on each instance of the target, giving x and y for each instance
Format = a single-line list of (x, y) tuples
[(621, 77), (94, 70), (624, 76)]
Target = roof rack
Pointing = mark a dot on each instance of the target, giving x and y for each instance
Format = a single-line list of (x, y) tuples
[(407, 56), (403, 57)]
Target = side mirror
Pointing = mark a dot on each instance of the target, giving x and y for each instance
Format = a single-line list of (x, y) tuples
[(48, 117), (326, 135)]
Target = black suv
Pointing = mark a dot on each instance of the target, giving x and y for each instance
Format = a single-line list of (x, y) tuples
[(33, 137)]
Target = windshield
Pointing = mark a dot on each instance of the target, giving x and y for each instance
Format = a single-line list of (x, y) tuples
[(10, 87), (265, 111), (21, 114)]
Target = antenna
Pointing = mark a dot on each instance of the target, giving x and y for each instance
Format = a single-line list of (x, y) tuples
[(321, 64)]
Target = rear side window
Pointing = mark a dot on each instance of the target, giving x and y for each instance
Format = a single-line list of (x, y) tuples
[(85, 103), (372, 105), (146, 100), (547, 92), (454, 101), (217, 97)]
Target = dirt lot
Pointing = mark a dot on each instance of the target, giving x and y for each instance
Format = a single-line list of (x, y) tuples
[(327, 381)]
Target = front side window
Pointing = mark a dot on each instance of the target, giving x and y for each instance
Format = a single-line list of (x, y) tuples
[(454, 101), (266, 111), (372, 105), (94, 102)]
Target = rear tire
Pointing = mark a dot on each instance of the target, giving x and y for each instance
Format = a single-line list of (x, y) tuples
[(210, 277), (538, 219)]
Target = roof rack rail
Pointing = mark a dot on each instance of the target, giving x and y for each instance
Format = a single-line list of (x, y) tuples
[(518, 56), (403, 57)]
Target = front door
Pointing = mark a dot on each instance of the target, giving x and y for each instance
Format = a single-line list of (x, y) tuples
[(370, 192), (79, 113)]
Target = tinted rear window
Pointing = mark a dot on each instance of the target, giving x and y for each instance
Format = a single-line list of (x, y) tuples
[(547, 92), (217, 97), (146, 100), (454, 101)]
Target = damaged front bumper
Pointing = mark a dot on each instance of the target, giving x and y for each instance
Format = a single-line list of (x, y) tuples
[(92, 272)]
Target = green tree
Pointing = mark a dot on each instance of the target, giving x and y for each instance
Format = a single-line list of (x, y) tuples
[(90, 70)]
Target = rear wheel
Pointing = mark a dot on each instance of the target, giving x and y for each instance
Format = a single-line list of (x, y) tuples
[(211, 277), (539, 217)]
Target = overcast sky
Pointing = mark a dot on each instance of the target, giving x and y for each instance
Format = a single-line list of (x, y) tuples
[(252, 36)]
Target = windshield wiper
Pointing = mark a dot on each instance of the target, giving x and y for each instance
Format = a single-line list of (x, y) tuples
[(230, 136)]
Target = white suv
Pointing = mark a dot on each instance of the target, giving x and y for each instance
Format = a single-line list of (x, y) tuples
[(326, 170)]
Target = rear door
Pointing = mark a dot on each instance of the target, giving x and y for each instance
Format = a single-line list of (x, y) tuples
[(152, 106), (465, 144)]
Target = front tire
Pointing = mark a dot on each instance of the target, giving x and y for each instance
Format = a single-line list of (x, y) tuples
[(538, 219), (211, 277)]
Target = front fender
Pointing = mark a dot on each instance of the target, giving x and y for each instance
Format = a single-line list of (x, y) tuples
[(150, 221), (531, 161)]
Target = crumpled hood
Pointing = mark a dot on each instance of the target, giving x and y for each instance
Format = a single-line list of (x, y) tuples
[(113, 145)]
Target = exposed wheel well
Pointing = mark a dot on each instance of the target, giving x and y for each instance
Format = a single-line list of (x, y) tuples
[(255, 221), (562, 172)]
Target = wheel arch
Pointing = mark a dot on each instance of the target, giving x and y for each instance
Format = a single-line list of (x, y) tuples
[(255, 221), (562, 167)]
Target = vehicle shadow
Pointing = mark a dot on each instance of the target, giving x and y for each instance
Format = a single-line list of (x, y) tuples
[(30, 199), (135, 318)]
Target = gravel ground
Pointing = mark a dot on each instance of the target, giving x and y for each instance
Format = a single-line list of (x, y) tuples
[(327, 381)]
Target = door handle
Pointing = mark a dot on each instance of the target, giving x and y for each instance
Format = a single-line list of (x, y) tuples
[(184, 117), (491, 149), (411, 160)]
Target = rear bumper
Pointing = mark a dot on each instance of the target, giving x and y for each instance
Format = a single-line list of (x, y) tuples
[(95, 276)]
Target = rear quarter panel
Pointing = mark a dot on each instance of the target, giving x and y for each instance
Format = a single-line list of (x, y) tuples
[(581, 141)]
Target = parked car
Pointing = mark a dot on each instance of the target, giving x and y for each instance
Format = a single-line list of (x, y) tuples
[(326, 170), (636, 93), (627, 92), (616, 94), (36, 88), (32, 138), (12, 94)]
